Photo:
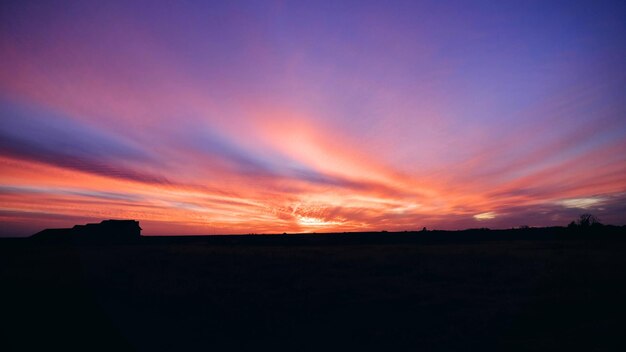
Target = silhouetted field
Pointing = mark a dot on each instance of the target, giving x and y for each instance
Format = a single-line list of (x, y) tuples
[(523, 292)]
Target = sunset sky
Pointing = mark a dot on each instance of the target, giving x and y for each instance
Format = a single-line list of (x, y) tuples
[(200, 117)]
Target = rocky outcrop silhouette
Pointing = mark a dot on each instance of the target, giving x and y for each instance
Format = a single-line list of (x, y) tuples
[(105, 231)]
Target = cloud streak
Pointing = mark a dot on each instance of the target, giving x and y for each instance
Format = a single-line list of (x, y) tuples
[(221, 118)]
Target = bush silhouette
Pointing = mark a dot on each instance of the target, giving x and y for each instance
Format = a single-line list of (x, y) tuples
[(585, 221)]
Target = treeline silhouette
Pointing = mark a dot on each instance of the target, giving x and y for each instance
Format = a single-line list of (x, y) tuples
[(128, 231)]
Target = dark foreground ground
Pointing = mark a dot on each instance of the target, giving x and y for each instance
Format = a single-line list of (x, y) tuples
[(555, 293)]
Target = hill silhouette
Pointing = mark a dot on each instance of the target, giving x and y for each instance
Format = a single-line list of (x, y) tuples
[(105, 231), (116, 231)]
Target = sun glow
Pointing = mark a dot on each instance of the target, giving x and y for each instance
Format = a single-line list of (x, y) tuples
[(316, 222)]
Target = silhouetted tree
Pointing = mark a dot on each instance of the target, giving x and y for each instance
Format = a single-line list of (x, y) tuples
[(588, 220)]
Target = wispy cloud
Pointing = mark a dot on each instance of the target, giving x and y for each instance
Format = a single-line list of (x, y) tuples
[(212, 117), (52, 139)]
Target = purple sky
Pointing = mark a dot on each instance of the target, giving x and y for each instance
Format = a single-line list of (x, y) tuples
[(235, 117)]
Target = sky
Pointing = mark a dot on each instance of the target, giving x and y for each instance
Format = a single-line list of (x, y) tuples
[(201, 117)]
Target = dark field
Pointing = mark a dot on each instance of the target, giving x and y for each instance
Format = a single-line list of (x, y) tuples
[(514, 294)]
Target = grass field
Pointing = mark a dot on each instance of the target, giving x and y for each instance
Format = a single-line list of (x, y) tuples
[(483, 295)]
